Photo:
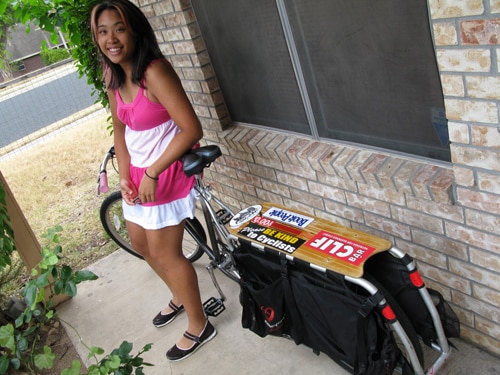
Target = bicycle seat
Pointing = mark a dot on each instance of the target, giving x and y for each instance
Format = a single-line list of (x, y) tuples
[(198, 159)]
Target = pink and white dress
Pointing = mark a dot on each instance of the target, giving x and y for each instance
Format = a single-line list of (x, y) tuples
[(149, 130)]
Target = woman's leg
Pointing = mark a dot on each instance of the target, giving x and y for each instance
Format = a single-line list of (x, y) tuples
[(139, 241), (168, 261)]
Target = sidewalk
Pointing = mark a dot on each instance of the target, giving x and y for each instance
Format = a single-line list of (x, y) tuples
[(122, 302), (33, 82), (36, 79)]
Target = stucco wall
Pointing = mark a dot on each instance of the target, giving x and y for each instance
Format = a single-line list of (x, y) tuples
[(445, 215)]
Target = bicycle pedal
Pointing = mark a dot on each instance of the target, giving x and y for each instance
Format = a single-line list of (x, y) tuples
[(213, 306), (224, 216)]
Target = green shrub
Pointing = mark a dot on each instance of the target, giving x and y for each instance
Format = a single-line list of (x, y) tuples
[(72, 19), (51, 56), (20, 345)]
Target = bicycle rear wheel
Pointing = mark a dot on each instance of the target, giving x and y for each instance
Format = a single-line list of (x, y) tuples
[(113, 222), (404, 363)]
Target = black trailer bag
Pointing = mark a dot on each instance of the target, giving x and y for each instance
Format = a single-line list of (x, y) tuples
[(342, 323), (261, 293), (313, 308), (395, 277)]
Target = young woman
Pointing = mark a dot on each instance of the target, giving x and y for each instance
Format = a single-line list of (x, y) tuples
[(154, 124)]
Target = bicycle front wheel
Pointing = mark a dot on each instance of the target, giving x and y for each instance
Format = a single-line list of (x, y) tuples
[(113, 222)]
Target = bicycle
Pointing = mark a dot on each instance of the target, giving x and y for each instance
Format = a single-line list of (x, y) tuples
[(112, 220), (195, 242), (221, 243)]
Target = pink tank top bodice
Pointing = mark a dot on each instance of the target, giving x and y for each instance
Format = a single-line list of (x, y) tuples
[(142, 113), (149, 130)]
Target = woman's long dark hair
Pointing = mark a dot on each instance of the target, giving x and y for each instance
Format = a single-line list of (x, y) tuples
[(146, 48)]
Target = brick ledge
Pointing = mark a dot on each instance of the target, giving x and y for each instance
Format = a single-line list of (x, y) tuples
[(412, 177)]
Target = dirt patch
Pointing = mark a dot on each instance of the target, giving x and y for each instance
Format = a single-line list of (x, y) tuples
[(56, 337)]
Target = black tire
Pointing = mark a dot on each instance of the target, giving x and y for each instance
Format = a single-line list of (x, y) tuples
[(112, 220), (192, 230), (405, 324)]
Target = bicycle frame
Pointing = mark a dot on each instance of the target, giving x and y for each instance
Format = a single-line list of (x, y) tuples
[(219, 237), (215, 221)]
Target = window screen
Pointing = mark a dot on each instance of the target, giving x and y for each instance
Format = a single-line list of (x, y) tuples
[(250, 58), (369, 69)]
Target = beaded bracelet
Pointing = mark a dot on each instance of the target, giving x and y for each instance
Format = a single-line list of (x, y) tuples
[(153, 178)]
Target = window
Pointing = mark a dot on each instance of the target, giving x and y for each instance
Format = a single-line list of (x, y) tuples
[(18, 66), (360, 71)]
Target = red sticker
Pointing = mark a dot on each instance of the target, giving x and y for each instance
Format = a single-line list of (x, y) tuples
[(339, 247), (265, 222)]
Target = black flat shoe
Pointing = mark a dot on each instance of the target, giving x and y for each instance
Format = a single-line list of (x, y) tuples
[(161, 320), (176, 354)]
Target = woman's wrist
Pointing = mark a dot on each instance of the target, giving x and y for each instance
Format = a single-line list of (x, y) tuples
[(154, 178)]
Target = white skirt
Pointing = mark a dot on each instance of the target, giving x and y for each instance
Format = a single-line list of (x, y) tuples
[(161, 216)]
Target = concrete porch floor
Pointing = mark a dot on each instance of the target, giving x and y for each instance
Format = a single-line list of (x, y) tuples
[(122, 302)]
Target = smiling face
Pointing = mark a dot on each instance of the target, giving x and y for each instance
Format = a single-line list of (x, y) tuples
[(114, 38)]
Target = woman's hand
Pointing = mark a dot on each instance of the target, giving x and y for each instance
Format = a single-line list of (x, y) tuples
[(129, 192), (147, 188)]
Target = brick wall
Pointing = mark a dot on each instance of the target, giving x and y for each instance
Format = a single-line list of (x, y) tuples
[(466, 39), (445, 215), (31, 64)]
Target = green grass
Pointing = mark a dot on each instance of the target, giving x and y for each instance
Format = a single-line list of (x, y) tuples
[(55, 183)]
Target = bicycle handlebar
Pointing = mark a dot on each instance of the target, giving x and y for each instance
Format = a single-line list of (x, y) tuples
[(103, 183), (102, 179), (195, 160)]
